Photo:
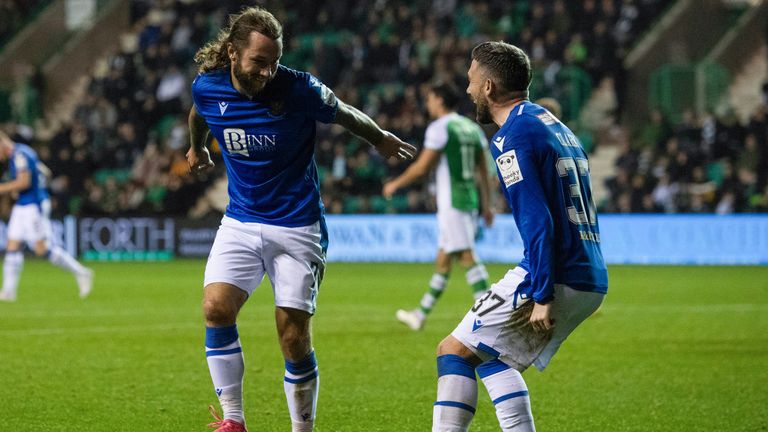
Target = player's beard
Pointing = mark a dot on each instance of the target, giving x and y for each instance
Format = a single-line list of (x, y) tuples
[(482, 111), (251, 83)]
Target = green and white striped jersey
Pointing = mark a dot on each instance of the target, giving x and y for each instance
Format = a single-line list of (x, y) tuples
[(459, 139)]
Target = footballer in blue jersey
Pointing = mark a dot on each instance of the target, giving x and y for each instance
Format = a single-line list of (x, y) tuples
[(525, 317), (264, 115), (29, 223)]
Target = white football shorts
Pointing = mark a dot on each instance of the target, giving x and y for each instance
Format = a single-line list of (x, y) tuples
[(292, 258), (457, 230), (497, 325), (29, 223)]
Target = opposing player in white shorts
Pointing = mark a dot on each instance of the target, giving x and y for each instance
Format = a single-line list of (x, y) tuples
[(525, 317), (30, 220), (264, 116), (456, 146)]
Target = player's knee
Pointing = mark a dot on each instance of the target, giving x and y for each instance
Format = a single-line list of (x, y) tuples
[(218, 312), (13, 246), (467, 259), (41, 251), (450, 345)]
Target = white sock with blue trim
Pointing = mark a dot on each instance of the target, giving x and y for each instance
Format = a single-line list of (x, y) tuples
[(456, 394), (63, 259), (302, 383), (509, 394), (227, 366), (14, 262)]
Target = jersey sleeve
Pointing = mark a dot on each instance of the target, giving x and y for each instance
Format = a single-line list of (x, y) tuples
[(319, 100), (521, 177), (436, 136), (196, 93), (20, 163)]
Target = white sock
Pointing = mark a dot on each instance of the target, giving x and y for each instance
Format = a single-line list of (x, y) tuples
[(456, 395), (477, 278), (509, 394), (227, 366), (14, 262), (302, 383), (61, 258)]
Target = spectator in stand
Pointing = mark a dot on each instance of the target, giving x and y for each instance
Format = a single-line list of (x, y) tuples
[(709, 165), (390, 50)]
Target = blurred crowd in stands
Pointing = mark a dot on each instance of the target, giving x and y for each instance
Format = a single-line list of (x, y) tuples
[(123, 151), (701, 165), (14, 14)]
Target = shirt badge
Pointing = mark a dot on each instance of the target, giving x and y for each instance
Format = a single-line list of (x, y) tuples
[(509, 168)]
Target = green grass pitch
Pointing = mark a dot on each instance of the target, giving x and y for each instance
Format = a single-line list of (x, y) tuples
[(672, 349)]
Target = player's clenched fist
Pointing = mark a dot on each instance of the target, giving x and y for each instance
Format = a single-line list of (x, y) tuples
[(199, 161)]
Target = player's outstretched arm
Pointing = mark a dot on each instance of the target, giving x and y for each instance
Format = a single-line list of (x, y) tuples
[(424, 163), (198, 158), (363, 126)]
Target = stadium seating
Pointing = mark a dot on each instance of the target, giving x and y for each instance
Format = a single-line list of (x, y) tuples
[(15, 13), (133, 115), (712, 164)]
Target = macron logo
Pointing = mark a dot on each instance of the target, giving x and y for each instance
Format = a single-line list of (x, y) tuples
[(499, 142), (223, 107), (476, 325), (218, 392)]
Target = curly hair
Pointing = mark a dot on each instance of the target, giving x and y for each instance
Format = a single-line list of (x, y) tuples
[(251, 19)]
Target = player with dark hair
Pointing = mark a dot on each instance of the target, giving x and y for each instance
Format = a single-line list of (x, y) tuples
[(525, 317), (456, 146), (264, 117)]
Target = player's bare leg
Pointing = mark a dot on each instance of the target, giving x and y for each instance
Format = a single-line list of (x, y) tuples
[(294, 330), (221, 304), (415, 318), (12, 265)]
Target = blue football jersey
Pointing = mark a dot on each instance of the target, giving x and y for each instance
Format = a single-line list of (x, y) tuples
[(268, 143), (544, 172), (25, 159)]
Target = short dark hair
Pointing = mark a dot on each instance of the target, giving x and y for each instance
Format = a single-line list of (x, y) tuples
[(447, 92), (508, 65)]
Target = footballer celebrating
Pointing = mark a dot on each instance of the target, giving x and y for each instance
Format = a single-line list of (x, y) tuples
[(264, 117), (525, 317)]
